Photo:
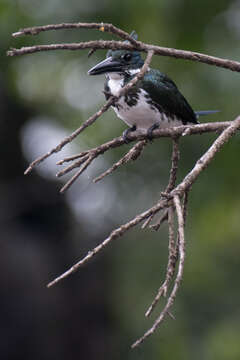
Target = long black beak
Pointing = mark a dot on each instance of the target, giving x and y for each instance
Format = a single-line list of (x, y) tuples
[(106, 66)]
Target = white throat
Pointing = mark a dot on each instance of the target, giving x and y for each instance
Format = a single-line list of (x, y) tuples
[(116, 80), (133, 71)]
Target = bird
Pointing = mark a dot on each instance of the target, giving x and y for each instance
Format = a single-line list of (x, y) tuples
[(153, 102)]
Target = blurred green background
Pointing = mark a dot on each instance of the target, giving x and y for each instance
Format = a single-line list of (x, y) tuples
[(99, 311)]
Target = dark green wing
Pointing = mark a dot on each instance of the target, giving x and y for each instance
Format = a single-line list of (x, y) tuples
[(166, 96)]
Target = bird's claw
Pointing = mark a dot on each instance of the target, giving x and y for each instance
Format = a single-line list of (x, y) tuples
[(150, 131), (126, 132)]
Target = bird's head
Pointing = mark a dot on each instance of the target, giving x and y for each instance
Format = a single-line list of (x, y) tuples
[(119, 61)]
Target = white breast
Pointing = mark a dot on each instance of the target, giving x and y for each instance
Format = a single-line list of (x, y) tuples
[(141, 114)]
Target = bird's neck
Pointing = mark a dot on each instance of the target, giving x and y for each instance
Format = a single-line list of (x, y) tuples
[(117, 80), (124, 75)]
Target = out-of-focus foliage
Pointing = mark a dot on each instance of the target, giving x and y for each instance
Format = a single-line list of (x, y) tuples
[(49, 95)]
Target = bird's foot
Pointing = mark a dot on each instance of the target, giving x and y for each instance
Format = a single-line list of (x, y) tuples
[(150, 131), (126, 132)]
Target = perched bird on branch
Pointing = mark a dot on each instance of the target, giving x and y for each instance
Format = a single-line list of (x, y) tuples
[(153, 102)]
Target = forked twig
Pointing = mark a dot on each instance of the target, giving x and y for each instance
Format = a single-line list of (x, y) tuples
[(179, 276), (174, 166), (170, 186), (173, 247), (161, 220), (162, 291), (168, 215), (77, 174), (132, 154), (86, 160)]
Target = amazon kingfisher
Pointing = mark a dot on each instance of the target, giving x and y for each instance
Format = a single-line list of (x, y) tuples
[(153, 102)]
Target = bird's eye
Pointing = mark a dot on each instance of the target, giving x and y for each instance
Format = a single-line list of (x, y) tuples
[(127, 56)]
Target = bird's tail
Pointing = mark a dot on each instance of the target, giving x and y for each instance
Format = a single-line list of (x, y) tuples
[(205, 112)]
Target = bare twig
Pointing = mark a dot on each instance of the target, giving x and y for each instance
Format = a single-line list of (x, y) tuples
[(77, 174), (104, 27), (178, 279), (185, 204), (84, 155), (73, 157), (132, 154), (86, 160), (174, 167), (171, 183), (90, 155), (168, 215), (93, 44), (161, 220), (69, 138), (171, 263), (205, 160), (147, 222), (114, 235), (131, 45), (91, 51)]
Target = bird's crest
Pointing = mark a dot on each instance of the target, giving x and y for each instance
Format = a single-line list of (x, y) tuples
[(133, 35)]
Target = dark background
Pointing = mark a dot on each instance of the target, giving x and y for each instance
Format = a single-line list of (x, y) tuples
[(99, 311)]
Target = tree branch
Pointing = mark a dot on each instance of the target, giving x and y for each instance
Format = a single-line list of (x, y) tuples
[(101, 44), (179, 276), (119, 141), (69, 138), (157, 133), (120, 231), (205, 160), (170, 186), (104, 27), (93, 153), (172, 258), (132, 154), (179, 191), (168, 215)]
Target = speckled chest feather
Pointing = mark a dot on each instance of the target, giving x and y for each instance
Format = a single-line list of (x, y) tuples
[(137, 107)]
